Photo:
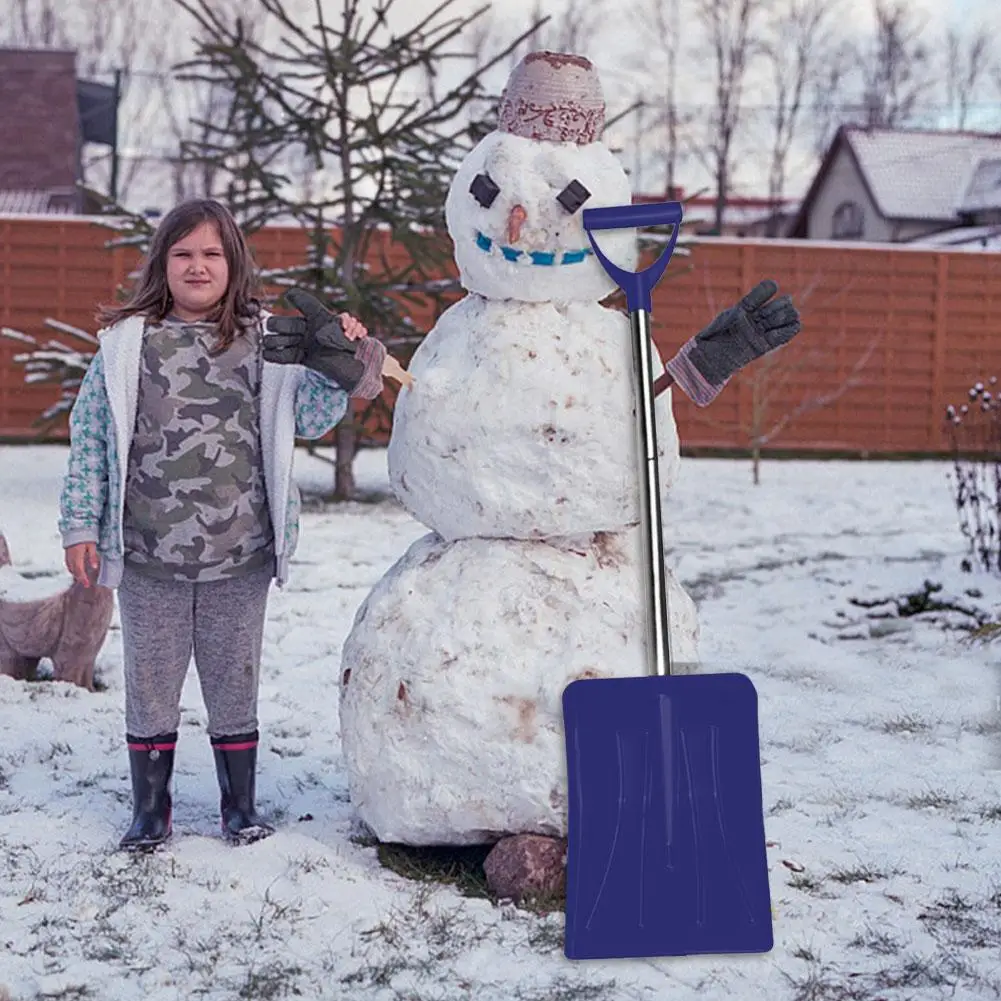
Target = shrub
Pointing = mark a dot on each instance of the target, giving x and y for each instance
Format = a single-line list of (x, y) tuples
[(975, 432)]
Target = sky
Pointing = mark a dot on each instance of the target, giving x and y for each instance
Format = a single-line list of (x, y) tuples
[(628, 72), (616, 59)]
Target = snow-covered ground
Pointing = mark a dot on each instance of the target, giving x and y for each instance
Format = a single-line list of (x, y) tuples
[(880, 744)]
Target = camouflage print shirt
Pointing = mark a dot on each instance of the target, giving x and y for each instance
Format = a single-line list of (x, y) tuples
[(195, 502)]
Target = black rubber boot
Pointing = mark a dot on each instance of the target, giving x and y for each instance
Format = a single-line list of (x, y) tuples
[(151, 761), (236, 767)]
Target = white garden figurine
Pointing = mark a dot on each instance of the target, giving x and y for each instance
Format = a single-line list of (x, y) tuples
[(516, 446)]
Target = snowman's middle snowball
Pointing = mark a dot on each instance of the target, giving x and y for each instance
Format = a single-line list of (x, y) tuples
[(522, 424)]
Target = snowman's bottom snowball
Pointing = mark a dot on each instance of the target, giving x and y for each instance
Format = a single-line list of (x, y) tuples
[(454, 671)]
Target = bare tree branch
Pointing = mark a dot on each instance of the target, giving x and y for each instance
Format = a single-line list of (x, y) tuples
[(730, 30), (795, 48), (967, 60), (332, 123), (658, 30), (895, 66), (832, 78)]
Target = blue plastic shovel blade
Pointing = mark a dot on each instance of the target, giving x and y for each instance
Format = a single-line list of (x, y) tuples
[(666, 846)]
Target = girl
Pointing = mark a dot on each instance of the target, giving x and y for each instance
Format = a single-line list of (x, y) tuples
[(179, 491)]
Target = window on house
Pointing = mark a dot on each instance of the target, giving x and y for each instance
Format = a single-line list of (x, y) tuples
[(848, 222)]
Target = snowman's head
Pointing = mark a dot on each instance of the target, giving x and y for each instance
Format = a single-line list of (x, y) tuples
[(514, 210)]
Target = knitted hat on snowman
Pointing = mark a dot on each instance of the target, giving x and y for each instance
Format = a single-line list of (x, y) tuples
[(553, 97)]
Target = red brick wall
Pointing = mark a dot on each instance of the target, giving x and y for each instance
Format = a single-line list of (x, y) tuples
[(38, 120)]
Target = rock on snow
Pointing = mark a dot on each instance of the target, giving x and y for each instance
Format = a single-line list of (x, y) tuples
[(522, 423), (453, 674)]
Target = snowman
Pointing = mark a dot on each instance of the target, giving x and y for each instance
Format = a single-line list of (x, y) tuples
[(516, 448)]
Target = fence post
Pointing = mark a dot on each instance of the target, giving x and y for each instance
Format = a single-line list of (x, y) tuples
[(936, 437), (746, 417)]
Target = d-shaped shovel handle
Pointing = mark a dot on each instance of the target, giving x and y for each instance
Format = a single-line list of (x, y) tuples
[(638, 285)]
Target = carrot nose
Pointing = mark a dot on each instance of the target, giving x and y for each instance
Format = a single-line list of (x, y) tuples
[(514, 223)]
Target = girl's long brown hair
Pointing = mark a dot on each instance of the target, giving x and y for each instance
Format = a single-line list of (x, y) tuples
[(152, 297)]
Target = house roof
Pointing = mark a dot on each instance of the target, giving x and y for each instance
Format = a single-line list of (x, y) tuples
[(984, 191), (920, 175), (913, 174), (965, 238), (36, 202)]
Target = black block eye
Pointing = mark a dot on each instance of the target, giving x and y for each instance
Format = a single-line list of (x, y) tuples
[(484, 190), (573, 196)]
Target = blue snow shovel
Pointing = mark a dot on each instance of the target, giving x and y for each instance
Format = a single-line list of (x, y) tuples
[(666, 840)]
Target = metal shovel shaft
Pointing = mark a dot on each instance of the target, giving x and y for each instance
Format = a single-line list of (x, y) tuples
[(638, 287), (651, 523)]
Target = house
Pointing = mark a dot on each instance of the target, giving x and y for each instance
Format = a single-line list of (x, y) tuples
[(882, 185), (46, 115), (743, 216)]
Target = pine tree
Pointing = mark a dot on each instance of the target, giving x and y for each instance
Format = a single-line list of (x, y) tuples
[(353, 131)]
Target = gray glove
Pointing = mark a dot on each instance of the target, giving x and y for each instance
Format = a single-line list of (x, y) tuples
[(315, 340), (734, 339), (744, 332)]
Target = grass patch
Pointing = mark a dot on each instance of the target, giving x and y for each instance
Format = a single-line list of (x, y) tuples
[(991, 812), (962, 923), (805, 953), (911, 973), (986, 633), (905, 724), (923, 972), (568, 990), (546, 936), (421, 940), (933, 799), (821, 984), (804, 881), (459, 867), (878, 942), (858, 874), (927, 600), (271, 982), (986, 726)]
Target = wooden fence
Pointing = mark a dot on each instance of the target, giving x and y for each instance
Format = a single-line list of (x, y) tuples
[(891, 334)]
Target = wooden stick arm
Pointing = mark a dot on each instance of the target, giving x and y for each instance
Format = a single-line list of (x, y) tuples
[(662, 382), (394, 370)]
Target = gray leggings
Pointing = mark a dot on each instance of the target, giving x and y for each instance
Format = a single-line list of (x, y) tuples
[(164, 621)]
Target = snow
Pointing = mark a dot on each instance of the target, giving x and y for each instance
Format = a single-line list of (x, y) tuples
[(516, 406), (17, 586), (973, 238), (919, 174), (880, 776), (532, 174), (451, 718)]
